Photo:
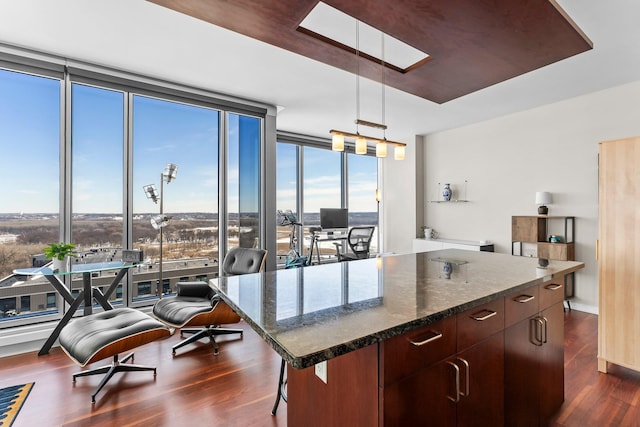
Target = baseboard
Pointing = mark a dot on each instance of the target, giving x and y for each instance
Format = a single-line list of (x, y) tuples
[(583, 307)]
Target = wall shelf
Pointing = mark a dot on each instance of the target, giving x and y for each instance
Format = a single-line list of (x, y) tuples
[(456, 191)]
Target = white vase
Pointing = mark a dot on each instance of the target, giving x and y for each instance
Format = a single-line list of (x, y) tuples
[(61, 265), (447, 193)]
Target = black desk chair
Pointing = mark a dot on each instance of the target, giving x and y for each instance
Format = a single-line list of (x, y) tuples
[(197, 304), (359, 240)]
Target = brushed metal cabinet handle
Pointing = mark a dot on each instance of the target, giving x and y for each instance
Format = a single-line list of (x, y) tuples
[(524, 298), (435, 336), (536, 331), (553, 287), (457, 372), (479, 318), (467, 374)]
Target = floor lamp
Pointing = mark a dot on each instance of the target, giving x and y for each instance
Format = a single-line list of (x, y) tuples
[(160, 221)]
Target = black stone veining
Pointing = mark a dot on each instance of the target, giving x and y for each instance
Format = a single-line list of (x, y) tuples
[(316, 313)]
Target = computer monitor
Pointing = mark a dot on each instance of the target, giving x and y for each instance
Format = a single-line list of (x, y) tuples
[(334, 219)]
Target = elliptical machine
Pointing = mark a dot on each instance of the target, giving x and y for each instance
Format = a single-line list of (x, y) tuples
[(293, 259)]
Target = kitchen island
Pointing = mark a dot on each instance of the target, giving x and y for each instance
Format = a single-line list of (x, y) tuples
[(434, 338)]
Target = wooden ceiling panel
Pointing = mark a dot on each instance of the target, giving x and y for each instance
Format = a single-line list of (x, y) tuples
[(473, 43)]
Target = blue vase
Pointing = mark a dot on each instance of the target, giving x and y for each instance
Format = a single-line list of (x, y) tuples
[(446, 193)]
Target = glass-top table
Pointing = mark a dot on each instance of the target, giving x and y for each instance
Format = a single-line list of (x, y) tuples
[(86, 295)]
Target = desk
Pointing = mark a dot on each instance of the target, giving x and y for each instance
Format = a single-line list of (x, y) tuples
[(345, 313), (86, 295), (324, 237)]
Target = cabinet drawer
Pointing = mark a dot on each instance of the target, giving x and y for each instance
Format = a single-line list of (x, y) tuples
[(407, 353), (551, 292), (559, 251), (521, 305), (478, 323)]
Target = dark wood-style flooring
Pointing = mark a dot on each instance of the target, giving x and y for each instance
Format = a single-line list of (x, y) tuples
[(237, 388)]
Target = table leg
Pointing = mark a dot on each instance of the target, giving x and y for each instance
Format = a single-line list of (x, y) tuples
[(101, 299), (61, 288), (317, 250), (61, 324), (88, 295), (115, 283)]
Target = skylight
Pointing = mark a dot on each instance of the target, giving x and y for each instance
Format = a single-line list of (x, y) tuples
[(336, 25)]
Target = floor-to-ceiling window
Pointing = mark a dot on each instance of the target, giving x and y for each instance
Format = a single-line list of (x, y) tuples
[(362, 185), (329, 180), (286, 197), (29, 197), (97, 138), (79, 144), (243, 182), (322, 188), (187, 136)]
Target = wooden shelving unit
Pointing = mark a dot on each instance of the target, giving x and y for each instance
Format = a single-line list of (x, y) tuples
[(530, 237)]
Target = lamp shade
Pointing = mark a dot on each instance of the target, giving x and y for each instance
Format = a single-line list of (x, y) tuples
[(361, 145), (337, 142), (151, 192), (381, 149), (159, 221), (170, 172), (543, 198), (398, 152)]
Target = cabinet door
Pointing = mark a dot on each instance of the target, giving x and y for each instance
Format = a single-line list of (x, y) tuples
[(618, 255), (423, 399), (528, 229), (521, 371), (482, 402), (552, 363)]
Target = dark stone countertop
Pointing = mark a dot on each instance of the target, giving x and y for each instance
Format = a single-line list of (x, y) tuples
[(312, 314)]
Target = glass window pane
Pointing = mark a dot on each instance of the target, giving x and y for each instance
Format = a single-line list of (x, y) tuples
[(243, 182), (170, 132), (97, 151), (363, 182), (322, 186), (29, 212), (286, 193)]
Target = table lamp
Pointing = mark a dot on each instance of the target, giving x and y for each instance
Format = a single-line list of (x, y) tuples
[(543, 198)]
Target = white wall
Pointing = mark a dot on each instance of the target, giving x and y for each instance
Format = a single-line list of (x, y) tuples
[(506, 160), (398, 216)]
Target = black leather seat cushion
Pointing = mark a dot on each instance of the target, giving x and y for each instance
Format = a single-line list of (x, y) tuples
[(83, 337), (177, 311), (243, 261)]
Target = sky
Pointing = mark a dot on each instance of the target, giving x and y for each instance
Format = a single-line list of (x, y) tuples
[(163, 132)]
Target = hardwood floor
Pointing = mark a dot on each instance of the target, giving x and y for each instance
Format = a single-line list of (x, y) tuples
[(592, 398), (237, 388), (194, 388)]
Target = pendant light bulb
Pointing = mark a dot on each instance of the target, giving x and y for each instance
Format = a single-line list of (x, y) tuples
[(381, 149), (361, 145), (398, 152), (337, 142)]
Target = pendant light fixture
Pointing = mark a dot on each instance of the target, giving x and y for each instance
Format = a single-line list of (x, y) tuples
[(338, 136)]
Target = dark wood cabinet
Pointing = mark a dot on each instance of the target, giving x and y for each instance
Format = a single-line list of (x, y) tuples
[(461, 389), (482, 397), (534, 355), (498, 364)]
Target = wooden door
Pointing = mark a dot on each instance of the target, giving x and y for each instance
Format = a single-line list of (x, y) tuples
[(619, 254)]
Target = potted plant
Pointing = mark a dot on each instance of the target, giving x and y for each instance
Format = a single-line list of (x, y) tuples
[(60, 253)]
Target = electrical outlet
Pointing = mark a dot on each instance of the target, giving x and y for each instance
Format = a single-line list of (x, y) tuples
[(321, 371)]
